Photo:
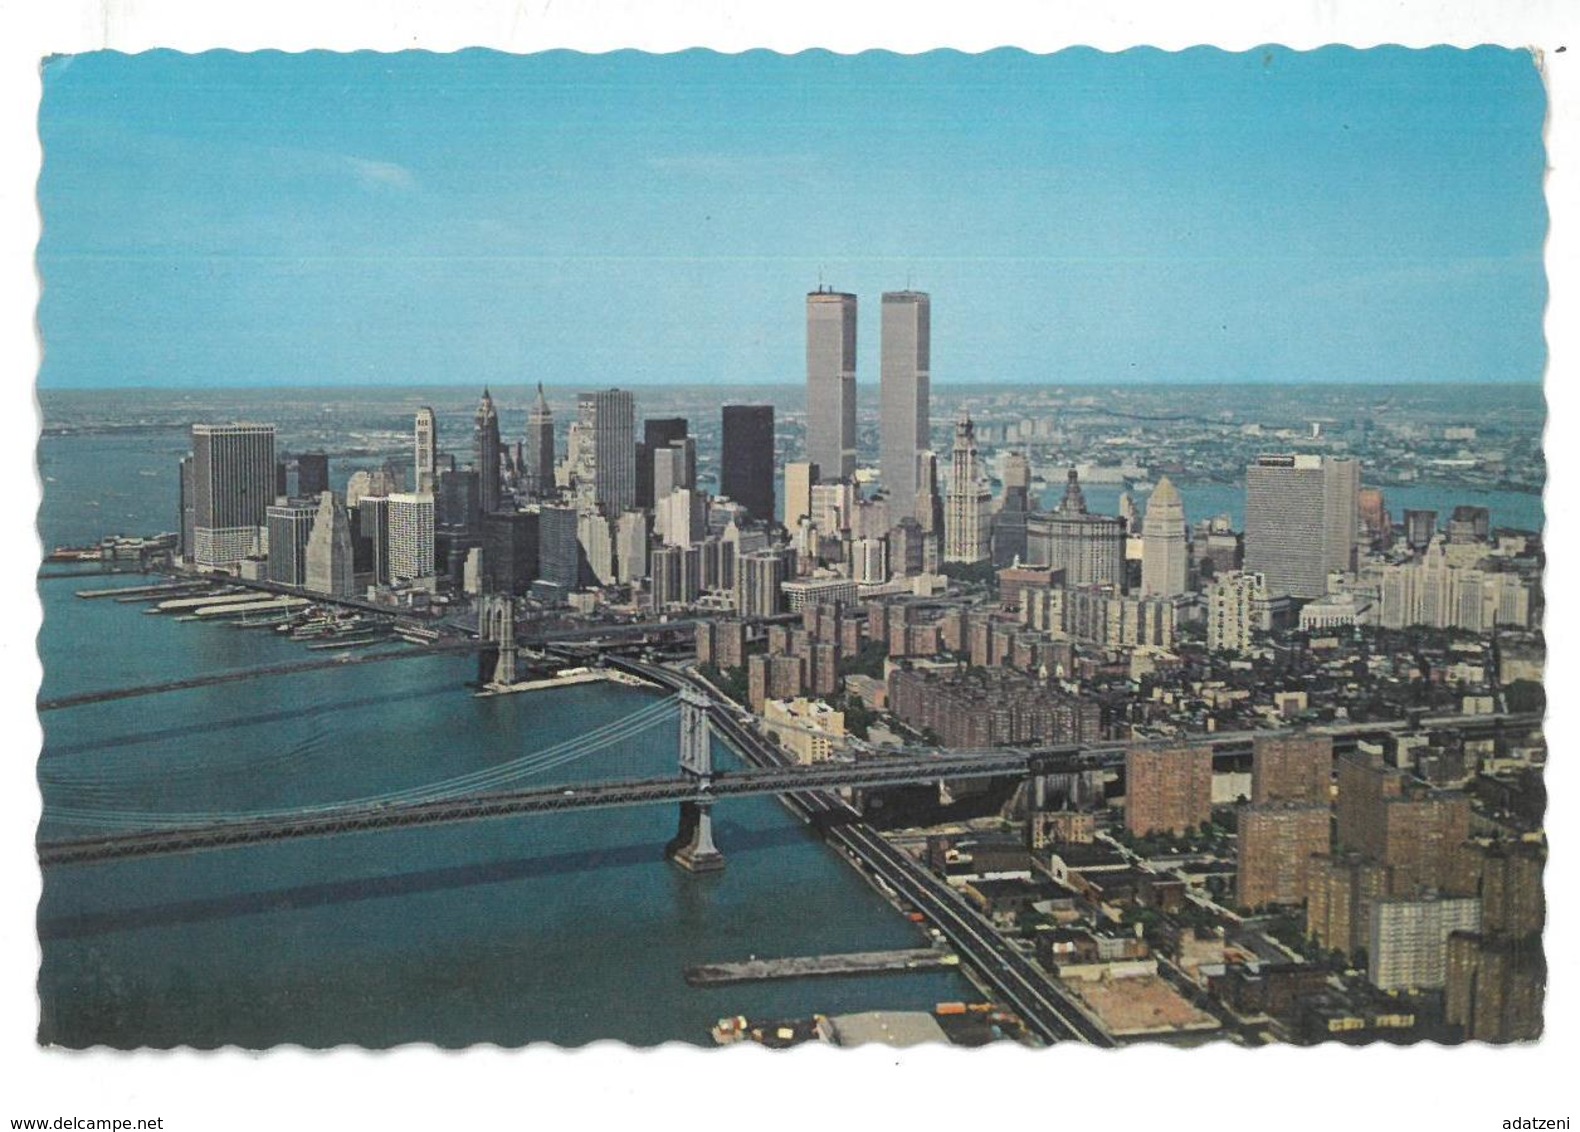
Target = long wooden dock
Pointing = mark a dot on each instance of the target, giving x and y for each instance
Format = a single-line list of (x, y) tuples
[(821, 966)]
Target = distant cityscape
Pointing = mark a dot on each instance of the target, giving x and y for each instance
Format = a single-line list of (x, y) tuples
[(1281, 711)]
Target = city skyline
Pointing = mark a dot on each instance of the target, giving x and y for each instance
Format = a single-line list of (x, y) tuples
[(1152, 217)]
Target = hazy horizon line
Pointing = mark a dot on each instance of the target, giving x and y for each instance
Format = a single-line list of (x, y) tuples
[(634, 385)]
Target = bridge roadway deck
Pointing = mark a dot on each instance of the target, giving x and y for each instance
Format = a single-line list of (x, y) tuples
[(78, 699), (330, 820), (455, 645), (772, 774)]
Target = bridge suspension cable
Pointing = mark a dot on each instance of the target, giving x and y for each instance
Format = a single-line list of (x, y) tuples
[(475, 782)]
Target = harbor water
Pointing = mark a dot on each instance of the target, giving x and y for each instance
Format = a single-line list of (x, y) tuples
[(564, 928)]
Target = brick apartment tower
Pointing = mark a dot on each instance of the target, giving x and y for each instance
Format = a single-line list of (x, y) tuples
[(1167, 790)]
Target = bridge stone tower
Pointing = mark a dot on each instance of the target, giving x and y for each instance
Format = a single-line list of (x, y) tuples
[(496, 624), (693, 847)]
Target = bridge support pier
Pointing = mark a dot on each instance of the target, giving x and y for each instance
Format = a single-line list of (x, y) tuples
[(496, 622), (693, 848)]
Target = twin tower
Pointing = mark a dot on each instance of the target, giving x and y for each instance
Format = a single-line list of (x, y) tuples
[(904, 425)]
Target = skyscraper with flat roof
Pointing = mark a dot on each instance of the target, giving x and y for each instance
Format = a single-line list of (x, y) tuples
[(758, 577), (290, 526), (831, 382), (312, 474), (746, 469), (606, 461), (1273, 851), (800, 476), (672, 466), (510, 552), (373, 524), (1167, 790), (1301, 521), (232, 489), (559, 551), (658, 433), (1292, 768), (411, 537), (905, 380)]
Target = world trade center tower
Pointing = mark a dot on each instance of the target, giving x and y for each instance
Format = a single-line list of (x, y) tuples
[(904, 421), (831, 383)]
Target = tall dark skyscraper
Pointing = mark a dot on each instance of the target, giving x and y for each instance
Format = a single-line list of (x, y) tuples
[(312, 474), (456, 504), (510, 551), (373, 524), (746, 471), (232, 488), (831, 383), (559, 552), (904, 420), (290, 526), (537, 461), (485, 448), (658, 433)]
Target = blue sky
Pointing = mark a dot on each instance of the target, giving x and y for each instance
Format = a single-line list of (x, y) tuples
[(319, 219)]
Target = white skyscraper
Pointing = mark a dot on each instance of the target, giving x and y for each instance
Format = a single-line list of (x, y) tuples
[(968, 506), (1238, 606), (674, 466), (426, 456), (799, 478), (1165, 553), (411, 522), (682, 517), (869, 561), (631, 547), (597, 543)]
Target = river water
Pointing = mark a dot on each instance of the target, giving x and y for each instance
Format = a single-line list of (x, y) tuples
[(564, 928)]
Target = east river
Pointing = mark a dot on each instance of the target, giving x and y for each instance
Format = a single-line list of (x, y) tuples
[(564, 928)]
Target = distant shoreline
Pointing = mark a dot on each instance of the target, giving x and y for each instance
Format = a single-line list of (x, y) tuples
[(469, 385)]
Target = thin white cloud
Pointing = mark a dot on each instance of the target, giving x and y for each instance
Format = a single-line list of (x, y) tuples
[(381, 174)]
